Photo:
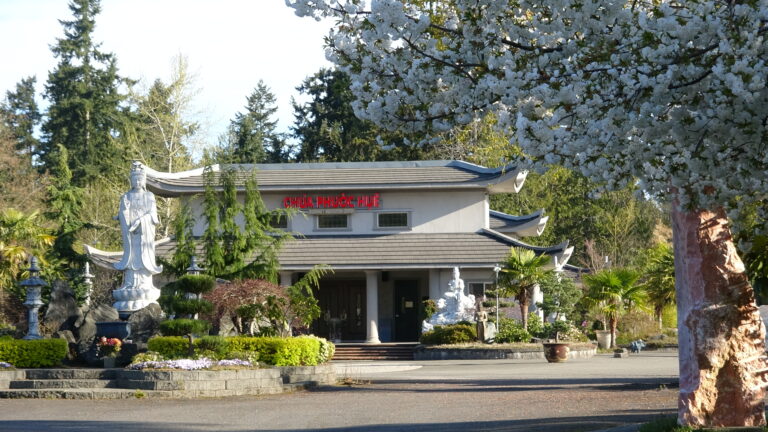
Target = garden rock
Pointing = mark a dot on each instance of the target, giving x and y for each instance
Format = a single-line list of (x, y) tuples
[(145, 323), (86, 330), (63, 312)]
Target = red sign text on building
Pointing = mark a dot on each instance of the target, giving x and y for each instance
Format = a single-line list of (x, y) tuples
[(338, 201)]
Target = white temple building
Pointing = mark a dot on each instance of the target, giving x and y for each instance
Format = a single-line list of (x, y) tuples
[(392, 231)]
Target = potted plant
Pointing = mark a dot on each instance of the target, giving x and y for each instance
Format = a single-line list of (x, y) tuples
[(556, 350), (109, 348)]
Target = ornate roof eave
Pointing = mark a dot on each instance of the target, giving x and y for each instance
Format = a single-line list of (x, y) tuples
[(560, 253), (507, 179), (531, 225), (106, 259)]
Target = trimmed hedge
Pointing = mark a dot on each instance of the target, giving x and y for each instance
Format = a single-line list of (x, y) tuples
[(450, 334), (33, 353), (296, 351), (170, 347)]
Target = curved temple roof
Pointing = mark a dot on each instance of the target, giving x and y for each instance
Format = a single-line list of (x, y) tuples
[(395, 251), (350, 176)]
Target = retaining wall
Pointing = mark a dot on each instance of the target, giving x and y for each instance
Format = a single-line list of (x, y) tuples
[(523, 353)]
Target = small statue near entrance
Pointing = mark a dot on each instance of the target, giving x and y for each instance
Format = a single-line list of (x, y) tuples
[(486, 331)]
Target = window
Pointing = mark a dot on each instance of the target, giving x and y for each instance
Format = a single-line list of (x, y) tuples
[(332, 221), (278, 221), (392, 220), (478, 289)]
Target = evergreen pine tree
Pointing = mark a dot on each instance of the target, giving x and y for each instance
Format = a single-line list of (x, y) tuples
[(64, 203), (84, 113), (21, 115), (252, 135)]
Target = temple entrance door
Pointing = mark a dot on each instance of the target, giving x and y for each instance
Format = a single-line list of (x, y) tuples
[(342, 310), (406, 311)]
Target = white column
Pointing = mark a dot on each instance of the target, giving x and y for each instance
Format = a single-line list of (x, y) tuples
[(537, 297), (286, 278), (372, 306), (434, 284)]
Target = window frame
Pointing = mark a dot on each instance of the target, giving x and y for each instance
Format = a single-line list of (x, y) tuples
[(406, 227)]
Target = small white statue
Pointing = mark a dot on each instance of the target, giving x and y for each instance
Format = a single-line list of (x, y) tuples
[(138, 217), (454, 306)]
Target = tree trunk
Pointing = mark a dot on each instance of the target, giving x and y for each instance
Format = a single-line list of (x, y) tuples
[(613, 323), (721, 336), (524, 313)]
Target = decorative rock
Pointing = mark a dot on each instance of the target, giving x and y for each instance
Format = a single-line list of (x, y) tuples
[(721, 336), (66, 335), (62, 311), (145, 323), (620, 353)]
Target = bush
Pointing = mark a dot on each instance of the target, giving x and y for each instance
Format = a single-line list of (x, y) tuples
[(183, 327), (169, 347), (33, 353), (450, 334), (511, 331), (297, 351), (215, 347), (562, 330), (196, 284)]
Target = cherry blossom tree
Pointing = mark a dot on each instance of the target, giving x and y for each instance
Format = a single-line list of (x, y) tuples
[(669, 94)]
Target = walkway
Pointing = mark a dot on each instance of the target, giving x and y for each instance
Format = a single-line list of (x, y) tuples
[(489, 395)]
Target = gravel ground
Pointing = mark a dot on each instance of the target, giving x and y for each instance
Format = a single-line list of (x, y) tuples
[(497, 395)]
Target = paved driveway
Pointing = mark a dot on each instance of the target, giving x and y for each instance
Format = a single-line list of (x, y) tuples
[(469, 395)]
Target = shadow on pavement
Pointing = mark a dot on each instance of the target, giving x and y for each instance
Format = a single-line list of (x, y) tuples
[(565, 424), (511, 385)]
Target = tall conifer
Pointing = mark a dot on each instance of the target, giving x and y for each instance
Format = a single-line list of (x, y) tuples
[(84, 113)]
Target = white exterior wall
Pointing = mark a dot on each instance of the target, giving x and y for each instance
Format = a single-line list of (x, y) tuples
[(429, 212)]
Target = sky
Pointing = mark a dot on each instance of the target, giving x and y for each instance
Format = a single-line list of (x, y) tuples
[(229, 44)]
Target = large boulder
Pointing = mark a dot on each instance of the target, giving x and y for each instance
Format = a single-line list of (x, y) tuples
[(62, 312), (145, 323), (86, 329)]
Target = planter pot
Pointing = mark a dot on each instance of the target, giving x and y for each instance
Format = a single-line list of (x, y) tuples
[(109, 362), (556, 352), (603, 338), (113, 329)]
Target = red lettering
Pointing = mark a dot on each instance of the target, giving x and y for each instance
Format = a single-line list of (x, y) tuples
[(287, 202)]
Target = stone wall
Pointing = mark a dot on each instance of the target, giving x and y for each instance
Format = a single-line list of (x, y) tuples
[(522, 353)]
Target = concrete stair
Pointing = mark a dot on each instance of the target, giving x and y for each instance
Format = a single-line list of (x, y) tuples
[(385, 351), (72, 384)]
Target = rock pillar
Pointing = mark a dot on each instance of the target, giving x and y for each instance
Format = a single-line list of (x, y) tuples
[(372, 307), (721, 335)]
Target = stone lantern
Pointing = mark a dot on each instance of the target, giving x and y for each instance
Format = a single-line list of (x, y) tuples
[(33, 285)]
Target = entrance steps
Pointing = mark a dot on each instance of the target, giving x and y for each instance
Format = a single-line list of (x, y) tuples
[(71, 384), (384, 351)]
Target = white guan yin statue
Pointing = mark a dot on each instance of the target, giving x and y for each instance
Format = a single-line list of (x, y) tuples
[(453, 307), (138, 217)]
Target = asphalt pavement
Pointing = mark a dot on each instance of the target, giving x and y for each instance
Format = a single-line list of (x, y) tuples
[(465, 395)]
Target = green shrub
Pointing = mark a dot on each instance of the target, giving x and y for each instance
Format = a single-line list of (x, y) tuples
[(33, 353), (450, 334), (297, 351), (327, 349), (562, 330), (184, 306), (170, 347), (511, 331), (196, 284), (216, 347), (535, 325), (182, 327), (147, 356)]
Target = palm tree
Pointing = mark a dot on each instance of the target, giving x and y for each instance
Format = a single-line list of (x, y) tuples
[(613, 292), (21, 235), (521, 271), (659, 279)]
